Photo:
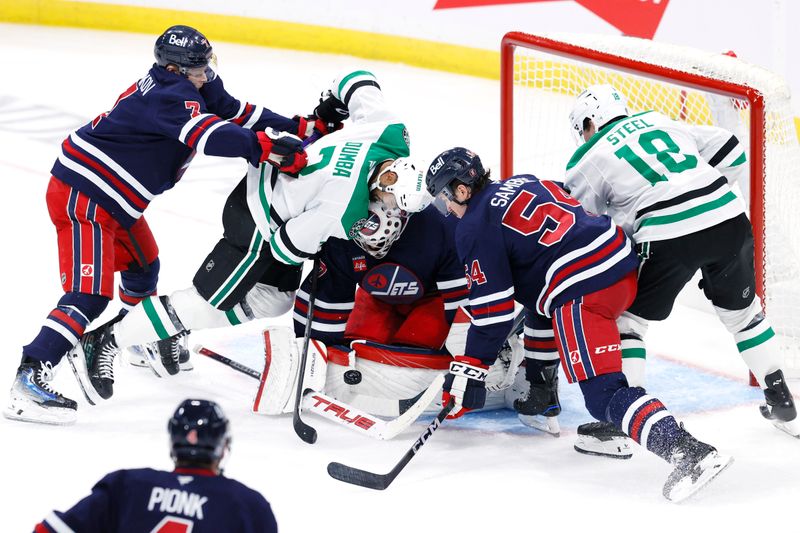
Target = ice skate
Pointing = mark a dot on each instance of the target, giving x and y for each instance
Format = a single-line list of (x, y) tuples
[(779, 407), (541, 408), (603, 439), (92, 361), (696, 464), (32, 399), (150, 355)]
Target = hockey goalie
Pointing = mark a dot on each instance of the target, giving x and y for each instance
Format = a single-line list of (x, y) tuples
[(388, 314)]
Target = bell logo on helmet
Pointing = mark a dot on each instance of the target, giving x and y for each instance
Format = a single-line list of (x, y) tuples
[(439, 163), (178, 41)]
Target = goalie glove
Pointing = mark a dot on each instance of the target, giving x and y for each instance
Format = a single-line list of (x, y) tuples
[(282, 150), (308, 125), (466, 384)]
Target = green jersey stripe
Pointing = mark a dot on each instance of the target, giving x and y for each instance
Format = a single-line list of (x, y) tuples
[(273, 243), (349, 77), (689, 213)]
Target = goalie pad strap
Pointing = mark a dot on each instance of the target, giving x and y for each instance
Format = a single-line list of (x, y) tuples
[(402, 357)]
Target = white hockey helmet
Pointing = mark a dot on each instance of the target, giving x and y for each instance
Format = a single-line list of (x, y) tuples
[(383, 226), (600, 104), (409, 190)]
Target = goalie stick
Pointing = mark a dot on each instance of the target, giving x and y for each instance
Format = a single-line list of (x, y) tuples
[(370, 480), (353, 416), (304, 431)]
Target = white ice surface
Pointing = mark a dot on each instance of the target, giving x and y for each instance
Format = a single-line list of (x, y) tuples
[(469, 477)]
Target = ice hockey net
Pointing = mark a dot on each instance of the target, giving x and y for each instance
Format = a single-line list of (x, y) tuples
[(540, 77)]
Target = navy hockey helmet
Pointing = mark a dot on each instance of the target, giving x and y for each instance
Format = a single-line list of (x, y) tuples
[(183, 46), (198, 432), (457, 165)]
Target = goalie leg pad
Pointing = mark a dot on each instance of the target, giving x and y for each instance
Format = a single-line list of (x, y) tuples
[(276, 392)]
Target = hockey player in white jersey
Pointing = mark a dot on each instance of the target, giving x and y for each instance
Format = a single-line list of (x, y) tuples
[(668, 185), (272, 223)]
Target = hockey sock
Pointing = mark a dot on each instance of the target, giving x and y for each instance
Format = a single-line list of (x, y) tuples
[(644, 419), (634, 356), (136, 284), (64, 326), (759, 350)]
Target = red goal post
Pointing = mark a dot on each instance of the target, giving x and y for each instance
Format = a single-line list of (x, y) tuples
[(541, 76)]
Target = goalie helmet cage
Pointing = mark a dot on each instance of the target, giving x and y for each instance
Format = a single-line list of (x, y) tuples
[(541, 76)]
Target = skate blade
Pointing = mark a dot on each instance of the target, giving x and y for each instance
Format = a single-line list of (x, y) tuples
[(153, 360), (36, 416), (546, 424), (77, 361), (614, 448), (792, 428), (713, 465)]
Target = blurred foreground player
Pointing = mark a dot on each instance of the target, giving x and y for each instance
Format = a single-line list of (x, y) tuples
[(527, 240), (195, 497)]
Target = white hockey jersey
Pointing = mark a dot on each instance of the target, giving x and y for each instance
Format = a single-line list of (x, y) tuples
[(658, 178), (331, 195)]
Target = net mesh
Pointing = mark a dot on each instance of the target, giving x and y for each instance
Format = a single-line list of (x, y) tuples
[(545, 87)]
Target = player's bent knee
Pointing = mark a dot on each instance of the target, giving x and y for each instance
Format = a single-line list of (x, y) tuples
[(630, 324), (90, 305), (195, 312), (599, 391), (266, 301), (737, 320), (137, 280)]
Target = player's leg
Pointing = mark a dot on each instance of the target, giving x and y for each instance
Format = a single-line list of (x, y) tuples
[(541, 373), (139, 266), (87, 282), (589, 345), (729, 282), (663, 272)]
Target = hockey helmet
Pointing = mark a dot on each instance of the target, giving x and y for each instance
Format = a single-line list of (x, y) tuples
[(599, 103), (451, 166), (184, 47), (383, 227), (409, 187), (198, 432)]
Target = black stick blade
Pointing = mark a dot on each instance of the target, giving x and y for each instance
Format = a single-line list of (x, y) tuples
[(362, 478)]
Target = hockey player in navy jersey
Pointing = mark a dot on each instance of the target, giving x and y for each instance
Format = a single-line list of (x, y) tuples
[(528, 241), (108, 172), (194, 497), (272, 223), (398, 282)]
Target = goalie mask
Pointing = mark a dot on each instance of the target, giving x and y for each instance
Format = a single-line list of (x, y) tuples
[(383, 227), (599, 103)]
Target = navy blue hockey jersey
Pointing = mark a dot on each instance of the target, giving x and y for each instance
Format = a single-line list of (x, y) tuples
[(421, 262), (147, 500), (526, 240), (141, 147)]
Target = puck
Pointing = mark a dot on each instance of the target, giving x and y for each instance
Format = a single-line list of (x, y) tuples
[(352, 377)]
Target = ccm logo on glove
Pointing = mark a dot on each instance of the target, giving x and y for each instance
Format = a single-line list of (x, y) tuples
[(473, 372)]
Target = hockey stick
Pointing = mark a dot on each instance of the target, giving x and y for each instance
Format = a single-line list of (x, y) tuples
[(202, 350), (304, 431), (370, 480), (359, 414)]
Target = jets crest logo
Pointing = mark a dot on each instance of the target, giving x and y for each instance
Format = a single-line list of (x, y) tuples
[(392, 283)]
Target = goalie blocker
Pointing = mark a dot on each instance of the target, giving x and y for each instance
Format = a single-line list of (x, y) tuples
[(371, 369)]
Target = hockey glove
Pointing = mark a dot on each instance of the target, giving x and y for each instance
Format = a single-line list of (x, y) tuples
[(330, 109), (466, 384), (282, 150), (306, 126)]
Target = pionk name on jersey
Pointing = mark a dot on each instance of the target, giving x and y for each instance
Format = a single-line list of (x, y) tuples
[(177, 501)]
